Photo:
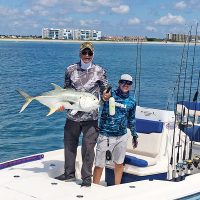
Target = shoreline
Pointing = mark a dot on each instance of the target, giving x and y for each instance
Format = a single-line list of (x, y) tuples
[(93, 41)]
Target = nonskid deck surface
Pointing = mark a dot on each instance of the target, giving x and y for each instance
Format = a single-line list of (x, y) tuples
[(35, 180), (40, 188)]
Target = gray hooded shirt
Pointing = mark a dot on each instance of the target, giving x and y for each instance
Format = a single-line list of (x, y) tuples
[(91, 80)]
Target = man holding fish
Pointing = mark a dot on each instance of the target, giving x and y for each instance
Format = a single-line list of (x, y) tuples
[(84, 76)]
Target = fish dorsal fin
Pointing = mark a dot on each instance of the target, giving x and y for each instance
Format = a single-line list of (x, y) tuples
[(56, 87)]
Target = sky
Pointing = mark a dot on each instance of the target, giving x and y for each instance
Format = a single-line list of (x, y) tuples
[(151, 18)]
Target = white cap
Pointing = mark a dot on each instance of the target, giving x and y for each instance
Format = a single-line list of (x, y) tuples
[(126, 77)]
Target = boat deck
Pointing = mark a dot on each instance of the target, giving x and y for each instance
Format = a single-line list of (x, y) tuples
[(35, 180)]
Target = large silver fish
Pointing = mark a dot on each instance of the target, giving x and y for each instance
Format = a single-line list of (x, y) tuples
[(69, 98)]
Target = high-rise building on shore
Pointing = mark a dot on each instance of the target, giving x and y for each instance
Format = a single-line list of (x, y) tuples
[(181, 38), (70, 34)]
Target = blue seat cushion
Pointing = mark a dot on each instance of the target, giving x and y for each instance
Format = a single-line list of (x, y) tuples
[(193, 133), (148, 126), (131, 160), (190, 105)]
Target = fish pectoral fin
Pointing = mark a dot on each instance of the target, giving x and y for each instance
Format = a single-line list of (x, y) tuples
[(51, 111), (71, 102), (73, 112)]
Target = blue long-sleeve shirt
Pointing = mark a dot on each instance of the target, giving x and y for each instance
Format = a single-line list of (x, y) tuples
[(125, 107)]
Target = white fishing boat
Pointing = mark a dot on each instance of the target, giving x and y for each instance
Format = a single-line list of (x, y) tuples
[(165, 164), (159, 168)]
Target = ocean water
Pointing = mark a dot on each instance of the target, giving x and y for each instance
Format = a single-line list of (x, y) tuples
[(32, 66), (191, 197)]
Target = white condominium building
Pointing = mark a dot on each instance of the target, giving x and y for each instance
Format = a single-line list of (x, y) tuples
[(182, 38), (70, 34)]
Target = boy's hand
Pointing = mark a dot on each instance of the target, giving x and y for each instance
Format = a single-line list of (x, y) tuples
[(134, 142), (106, 95)]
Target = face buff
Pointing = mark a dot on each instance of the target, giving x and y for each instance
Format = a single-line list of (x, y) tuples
[(86, 66)]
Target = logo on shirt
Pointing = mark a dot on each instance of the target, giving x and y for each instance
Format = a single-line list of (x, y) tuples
[(120, 105)]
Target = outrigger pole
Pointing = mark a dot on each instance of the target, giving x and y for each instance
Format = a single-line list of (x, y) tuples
[(175, 120)]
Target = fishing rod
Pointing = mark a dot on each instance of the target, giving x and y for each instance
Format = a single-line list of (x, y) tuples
[(175, 120), (182, 114), (194, 116), (136, 71), (178, 76), (139, 73), (176, 82), (190, 91)]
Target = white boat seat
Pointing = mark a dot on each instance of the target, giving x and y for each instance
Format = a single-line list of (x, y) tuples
[(149, 138), (148, 160)]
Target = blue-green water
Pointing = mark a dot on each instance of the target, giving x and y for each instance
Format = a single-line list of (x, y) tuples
[(191, 197), (32, 66)]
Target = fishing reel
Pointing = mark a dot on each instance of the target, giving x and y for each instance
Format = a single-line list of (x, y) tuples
[(196, 161), (179, 166), (189, 164)]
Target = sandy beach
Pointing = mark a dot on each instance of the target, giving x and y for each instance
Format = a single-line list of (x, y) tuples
[(78, 41)]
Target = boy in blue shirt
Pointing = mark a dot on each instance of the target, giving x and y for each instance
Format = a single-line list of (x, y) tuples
[(113, 130)]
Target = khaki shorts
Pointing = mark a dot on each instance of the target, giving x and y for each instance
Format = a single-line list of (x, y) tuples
[(117, 145)]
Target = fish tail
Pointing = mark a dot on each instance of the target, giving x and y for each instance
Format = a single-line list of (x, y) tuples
[(27, 97)]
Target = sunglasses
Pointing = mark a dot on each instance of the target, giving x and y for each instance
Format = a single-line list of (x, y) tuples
[(125, 82), (87, 52)]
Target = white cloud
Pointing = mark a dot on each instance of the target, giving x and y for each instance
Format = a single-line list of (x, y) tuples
[(134, 21), (35, 25), (122, 9), (40, 10), (170, 19), (66, 19), (85, 6), (47, 2), (90, 2), (194, 2), (151, 28), (105, 3), (61, 23), (16, 23), (86, 9), (8, 11), (88, 6), (90, 22), (28, 12), (180, 5)]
